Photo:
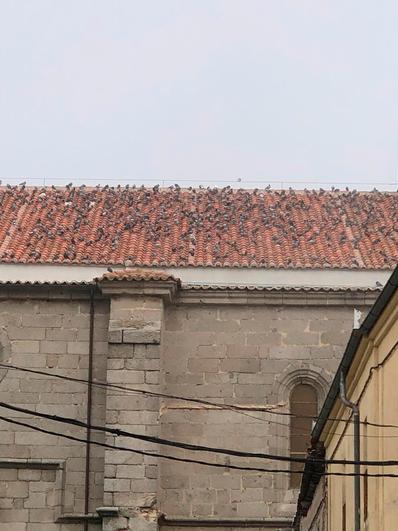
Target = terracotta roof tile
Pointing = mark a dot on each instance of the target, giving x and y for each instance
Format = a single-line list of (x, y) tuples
[(202, 287), (137, 274), (282, 289), (205, 227)]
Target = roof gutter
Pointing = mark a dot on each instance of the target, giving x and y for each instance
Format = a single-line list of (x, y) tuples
[(334, 390)]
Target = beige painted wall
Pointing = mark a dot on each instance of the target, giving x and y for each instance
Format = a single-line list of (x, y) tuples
[(378, 402)]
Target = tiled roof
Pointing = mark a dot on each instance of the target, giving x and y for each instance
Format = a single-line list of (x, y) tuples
[(176, 227), (137, 274), (35, 283), (282, 289), (191, 287)]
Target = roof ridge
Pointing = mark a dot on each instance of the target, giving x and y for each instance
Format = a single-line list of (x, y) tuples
[(198, 188)]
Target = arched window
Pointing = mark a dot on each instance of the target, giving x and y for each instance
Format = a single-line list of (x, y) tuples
[(303, 403)]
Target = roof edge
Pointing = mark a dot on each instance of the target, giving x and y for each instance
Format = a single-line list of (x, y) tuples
[(205, 265), (201, 287), (350, 351)]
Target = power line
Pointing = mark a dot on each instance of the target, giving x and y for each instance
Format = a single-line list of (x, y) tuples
[(238, 409), (154, 394), (183, 459), (141, 452), (304, 432), (221, 407), (239, 181), (189, 446), (347, 421), (232, 407), (150, 438), (244, 411)]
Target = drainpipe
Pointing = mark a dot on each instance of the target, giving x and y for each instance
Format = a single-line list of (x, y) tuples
[(89, 407), (357, 467)]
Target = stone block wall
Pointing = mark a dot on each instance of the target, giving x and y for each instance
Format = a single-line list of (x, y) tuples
[(49, 330), (246, 351), (30, 495), (248, 355), (130, 484)]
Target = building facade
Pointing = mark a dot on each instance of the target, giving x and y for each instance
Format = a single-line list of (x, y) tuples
[(248, 348), (369, 368), (241, 300)]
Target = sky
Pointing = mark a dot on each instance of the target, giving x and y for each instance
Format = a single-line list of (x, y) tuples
[(238, 92)]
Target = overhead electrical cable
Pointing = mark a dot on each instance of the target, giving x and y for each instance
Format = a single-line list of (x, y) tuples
[(141, 452), (193, 447), (187, 460), (233, 407)]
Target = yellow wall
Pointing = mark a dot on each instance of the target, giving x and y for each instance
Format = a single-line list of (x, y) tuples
[(378, 402)]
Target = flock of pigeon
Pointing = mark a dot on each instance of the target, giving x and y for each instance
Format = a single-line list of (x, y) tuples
[(198, 227)]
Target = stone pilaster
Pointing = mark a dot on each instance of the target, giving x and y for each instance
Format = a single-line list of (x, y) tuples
[(135, 344)]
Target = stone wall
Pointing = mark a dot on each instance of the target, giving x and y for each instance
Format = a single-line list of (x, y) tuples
[(134, 359), (49, 330), (27, 495), (249, 355), (246, 350), (135, 351)]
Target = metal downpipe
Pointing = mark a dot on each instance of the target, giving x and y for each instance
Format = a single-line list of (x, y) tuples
[(357, 452), (89, 408)]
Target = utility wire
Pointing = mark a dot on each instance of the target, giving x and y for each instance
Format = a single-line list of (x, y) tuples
[(232, 407), (154, 394), (304, 432), (241, 181), (189, 446), (238, 409), (141, 452), (187, 460), (244, 411), (151, 438), (101, 384), (222, 407)]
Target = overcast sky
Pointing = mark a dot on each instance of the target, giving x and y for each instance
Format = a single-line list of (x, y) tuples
[(201, 90)]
